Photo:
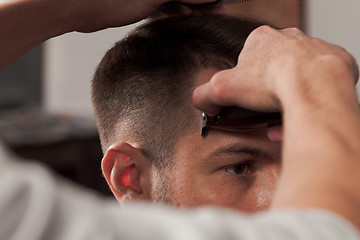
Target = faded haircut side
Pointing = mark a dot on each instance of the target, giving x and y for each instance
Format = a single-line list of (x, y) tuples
[(143, 86)]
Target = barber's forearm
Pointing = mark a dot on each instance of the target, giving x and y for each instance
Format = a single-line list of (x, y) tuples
[(39, 21), (26, 23), (321, 154)]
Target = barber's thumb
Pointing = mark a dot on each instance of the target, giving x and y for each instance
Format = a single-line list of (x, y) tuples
[(203, 100), (213, 95)]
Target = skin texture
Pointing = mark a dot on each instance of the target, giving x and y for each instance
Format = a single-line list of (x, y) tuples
[(312, 83)]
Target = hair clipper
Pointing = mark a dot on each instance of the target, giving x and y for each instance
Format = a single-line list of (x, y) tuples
[(236, 119)]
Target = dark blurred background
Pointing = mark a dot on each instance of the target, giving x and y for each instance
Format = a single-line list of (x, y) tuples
[(66, 142)]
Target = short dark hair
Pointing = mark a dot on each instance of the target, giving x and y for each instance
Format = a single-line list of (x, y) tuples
[(143, 86)]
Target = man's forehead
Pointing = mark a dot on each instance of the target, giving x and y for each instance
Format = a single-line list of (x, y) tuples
[(218, 142)]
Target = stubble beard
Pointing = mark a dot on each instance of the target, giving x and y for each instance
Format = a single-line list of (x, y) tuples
[(162, 192)]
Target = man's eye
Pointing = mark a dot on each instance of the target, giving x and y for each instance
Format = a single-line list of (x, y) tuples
[(239, 169)]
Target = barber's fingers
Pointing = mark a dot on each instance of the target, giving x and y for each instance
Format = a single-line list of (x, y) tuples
[(209, 7), (188, 7), (171, 9), (233, 87), (195, 1), (248, 85), (218, 92)]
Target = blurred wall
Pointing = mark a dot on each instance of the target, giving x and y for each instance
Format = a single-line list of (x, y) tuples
[(69, 64), (336, 22), (20, 82), (70, 60)]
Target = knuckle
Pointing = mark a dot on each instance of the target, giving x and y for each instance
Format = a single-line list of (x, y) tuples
[(293, 30), (261, 34), (264, 29), (341, 64), (317, 42), (334, 53), (340, 58), (333, 59), (348, 57), (219, 87)]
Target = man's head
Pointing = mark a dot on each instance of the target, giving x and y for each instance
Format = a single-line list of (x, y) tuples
[(142, 98)]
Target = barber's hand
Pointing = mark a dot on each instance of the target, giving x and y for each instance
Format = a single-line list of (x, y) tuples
[(313, 83), (94, 15), (272, 63), (274, 67)]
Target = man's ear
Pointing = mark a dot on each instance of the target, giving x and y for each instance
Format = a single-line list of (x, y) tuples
[(128, 172)]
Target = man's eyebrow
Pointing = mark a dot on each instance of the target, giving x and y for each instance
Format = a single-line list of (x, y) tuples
[(236, 149)]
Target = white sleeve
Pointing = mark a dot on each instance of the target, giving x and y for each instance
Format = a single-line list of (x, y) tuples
[(210, 224), (35, 205)]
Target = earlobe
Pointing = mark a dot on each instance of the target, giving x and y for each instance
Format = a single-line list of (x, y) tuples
[(122, 167)]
